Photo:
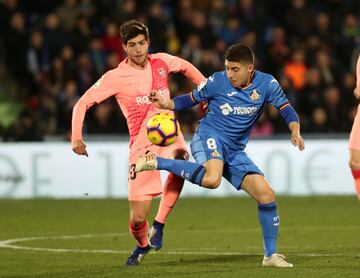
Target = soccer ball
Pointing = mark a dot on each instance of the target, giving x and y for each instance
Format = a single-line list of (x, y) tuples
[(162, 129)]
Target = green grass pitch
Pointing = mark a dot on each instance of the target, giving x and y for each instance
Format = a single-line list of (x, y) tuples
[(204, 237)]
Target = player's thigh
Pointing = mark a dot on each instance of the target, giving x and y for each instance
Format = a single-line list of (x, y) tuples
[(145, 185), (258, 188), (214, 168)]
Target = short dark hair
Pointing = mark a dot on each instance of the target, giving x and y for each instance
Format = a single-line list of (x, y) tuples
[(132, 28), (239, 53)]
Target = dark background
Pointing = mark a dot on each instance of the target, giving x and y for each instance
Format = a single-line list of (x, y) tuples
[(51, 52)]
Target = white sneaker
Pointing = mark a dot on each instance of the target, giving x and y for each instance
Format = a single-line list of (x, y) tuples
[(276, 260), (146, 162)]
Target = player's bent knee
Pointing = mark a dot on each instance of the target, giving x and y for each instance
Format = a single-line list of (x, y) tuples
[(137, 219), (211, 182), (137, 223), (267, 196)]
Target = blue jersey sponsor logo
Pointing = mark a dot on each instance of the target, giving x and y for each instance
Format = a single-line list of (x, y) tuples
[(226, 109)]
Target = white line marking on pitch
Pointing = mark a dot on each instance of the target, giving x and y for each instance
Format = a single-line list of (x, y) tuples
[(10, 244)]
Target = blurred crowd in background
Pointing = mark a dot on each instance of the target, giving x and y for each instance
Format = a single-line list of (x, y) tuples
[(51, 52)]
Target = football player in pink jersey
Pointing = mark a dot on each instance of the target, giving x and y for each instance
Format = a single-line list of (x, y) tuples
[(354, 142), (130, 83)]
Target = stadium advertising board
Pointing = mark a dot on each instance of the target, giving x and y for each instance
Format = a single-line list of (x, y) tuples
[(52, 170)]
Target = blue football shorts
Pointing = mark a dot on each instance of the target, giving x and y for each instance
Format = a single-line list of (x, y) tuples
[(208, 145)]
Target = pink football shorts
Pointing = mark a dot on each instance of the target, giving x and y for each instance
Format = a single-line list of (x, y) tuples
[(146, 185)]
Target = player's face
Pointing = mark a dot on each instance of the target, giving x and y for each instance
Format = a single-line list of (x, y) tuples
[(137, 50), (239, 74)]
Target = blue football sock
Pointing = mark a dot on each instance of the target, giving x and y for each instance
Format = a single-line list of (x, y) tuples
[(269, 221), (190, 171)]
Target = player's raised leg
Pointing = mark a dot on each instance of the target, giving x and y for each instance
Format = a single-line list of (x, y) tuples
[(206, 172), (207, 175), (258, 188)]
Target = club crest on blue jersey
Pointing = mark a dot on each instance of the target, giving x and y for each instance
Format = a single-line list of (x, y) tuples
[(255, 95)]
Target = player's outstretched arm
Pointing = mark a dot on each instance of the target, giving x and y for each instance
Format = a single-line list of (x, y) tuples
[(296, 138)]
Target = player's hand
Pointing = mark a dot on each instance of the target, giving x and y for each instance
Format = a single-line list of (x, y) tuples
[(159, 101), (79, 147), (357, 92), (298, 141)]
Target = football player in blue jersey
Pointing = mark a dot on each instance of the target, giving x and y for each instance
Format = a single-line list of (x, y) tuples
[(236, 98)]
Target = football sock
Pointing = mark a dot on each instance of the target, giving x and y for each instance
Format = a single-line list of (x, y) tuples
[(269, 221), (140, 233), (356, 175), (171, 192), (190, 171)]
